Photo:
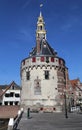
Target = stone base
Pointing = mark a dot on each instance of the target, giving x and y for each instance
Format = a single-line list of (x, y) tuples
[(45, 109)]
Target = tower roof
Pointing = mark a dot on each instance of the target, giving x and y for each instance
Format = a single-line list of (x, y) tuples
[(45, 49), (42, 46)]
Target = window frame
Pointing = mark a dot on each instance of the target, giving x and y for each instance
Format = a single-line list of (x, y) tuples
[(28, 75), (46, 74)]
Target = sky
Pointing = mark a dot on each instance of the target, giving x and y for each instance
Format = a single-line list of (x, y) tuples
[(18, 20)]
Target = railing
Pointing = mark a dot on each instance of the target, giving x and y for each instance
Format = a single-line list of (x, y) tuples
[(12, 125)]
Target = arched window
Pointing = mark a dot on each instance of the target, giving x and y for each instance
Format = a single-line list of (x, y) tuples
[(40, 27)]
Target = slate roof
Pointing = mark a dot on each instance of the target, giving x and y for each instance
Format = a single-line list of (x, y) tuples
[(45, 49)]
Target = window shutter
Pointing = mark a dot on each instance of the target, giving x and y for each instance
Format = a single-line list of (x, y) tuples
[(42, 59), (33, 59), (52, 59)]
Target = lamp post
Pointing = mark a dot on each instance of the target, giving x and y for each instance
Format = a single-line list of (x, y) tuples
[(65, 76), (66, 115)]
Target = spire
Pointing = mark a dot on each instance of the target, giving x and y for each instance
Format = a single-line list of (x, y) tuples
[(40, 14), (40, 31), (41, 5)]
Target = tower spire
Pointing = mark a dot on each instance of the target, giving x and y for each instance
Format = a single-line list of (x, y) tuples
[(40, 31), (41, 5)]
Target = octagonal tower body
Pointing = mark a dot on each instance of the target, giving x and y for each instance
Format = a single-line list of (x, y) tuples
[(43, 75)]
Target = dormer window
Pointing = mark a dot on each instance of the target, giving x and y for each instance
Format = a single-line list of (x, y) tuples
[(47, 59)]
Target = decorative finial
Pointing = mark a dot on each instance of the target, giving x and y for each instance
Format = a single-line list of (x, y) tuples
[(41, 5)]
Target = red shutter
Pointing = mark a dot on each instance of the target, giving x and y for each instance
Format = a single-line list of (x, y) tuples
[(33, 59), (42, 59), (52, 59)]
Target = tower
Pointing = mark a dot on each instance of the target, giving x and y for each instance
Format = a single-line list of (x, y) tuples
[(41, 32), (43, 75)]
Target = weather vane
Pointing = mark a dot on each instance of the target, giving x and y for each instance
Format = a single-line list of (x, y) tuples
[(41, 5)]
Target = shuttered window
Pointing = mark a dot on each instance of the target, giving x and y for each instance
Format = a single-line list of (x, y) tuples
[(42, 59), (33, 59), (52, 59), (46, 74), (28, 75)]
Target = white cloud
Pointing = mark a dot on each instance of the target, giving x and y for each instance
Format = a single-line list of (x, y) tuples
[(24, 35)]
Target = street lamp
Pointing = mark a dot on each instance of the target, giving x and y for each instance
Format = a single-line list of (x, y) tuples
[(66, 115), (65, 77)]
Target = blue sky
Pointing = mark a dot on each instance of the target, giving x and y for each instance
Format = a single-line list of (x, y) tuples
[(18, 18)]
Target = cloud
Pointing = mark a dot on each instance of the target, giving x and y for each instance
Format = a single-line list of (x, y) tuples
[(24, 35), (26, 4), (66, 26)]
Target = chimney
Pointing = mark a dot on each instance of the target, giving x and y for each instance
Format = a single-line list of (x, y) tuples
[(38, 45)]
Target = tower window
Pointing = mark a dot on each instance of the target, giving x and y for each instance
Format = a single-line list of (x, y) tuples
[(28, 75), (37, 87), (40, 20), (46, 74), (40, 27)]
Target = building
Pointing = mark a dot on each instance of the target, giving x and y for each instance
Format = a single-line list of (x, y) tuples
[(75, 92), (10, 94), (44, 75)]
